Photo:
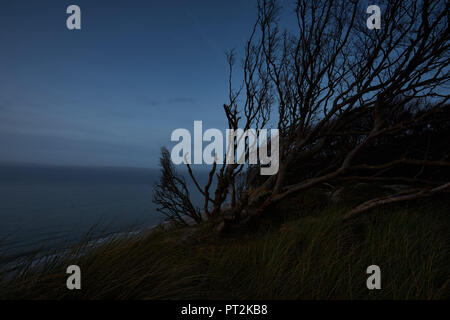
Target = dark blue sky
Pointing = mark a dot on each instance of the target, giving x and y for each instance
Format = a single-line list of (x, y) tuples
[(112, 93)]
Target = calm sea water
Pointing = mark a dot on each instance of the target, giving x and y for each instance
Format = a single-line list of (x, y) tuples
[(44, 208)]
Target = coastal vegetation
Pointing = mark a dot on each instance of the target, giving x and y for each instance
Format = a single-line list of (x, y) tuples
[(363, 174), (302, 252)]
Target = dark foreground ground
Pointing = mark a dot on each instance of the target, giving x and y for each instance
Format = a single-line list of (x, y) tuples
[(302, 250)]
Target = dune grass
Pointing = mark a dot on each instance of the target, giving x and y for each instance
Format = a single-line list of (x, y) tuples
[(306, 254)]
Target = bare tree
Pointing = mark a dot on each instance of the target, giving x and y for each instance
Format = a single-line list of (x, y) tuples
[(172, 196), (333, 84)]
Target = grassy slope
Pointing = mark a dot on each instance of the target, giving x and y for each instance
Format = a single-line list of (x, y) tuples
[(306, 253)]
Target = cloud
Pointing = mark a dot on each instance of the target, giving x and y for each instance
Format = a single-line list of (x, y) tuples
[(182, 100), (170, 101)]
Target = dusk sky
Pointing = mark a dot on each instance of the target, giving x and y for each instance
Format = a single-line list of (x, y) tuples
[(112, 93)]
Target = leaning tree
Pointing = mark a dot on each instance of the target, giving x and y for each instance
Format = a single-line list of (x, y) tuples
[(336, 89)]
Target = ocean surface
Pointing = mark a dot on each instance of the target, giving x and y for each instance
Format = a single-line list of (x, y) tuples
[(50, 208)]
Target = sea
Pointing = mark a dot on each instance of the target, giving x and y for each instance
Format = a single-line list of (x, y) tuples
[(49, 208)]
